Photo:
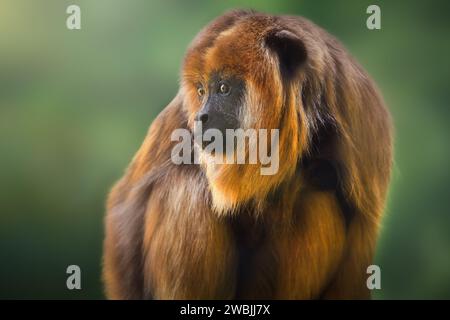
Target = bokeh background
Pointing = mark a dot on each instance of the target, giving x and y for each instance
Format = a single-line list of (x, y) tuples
[(75, 106)]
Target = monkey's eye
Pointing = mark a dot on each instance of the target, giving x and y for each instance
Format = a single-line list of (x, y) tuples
[(224, 89), (200, 91)]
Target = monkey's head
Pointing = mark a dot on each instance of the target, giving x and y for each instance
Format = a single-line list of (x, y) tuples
[(246, 70)]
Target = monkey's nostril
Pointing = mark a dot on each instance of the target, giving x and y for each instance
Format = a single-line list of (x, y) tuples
[(204, 118)]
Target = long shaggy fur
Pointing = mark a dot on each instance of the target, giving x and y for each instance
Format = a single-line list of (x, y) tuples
[(227, 232)]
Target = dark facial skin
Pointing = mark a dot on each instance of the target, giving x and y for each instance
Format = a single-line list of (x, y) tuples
[(221, 101)]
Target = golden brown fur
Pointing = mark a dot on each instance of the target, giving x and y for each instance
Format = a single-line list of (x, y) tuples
[(193, 232)]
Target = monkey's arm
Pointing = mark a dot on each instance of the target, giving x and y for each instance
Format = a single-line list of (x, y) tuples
[(126, 207), (321, 257), (350, 280), (189, 252), (311, 252), (162, 240)]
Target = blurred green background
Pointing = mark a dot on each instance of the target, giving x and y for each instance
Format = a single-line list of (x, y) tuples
[(75, 106)]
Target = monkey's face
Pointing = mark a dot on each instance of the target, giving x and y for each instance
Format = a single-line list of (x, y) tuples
[(221, 99), (223, 74), (246, 76)]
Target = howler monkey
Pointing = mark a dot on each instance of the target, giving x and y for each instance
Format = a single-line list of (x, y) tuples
[(224, 231)]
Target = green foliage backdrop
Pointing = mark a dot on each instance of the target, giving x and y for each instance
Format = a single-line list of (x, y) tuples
[(75, 106)]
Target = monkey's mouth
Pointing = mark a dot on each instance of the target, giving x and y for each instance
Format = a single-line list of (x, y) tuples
[(212, 147), (210, 144)]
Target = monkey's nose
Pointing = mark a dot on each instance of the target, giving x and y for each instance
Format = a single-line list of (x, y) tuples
[(203, 117)]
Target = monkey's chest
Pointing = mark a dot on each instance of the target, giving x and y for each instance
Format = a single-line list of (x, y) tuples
[(248, 232), (254, 258)]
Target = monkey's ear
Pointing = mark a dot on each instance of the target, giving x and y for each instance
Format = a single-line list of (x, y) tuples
[(290, 50)]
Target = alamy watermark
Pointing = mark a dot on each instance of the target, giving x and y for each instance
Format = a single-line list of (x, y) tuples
[(374, 280), (73, 21), (237, 146), (374, 20), (73, 281)]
